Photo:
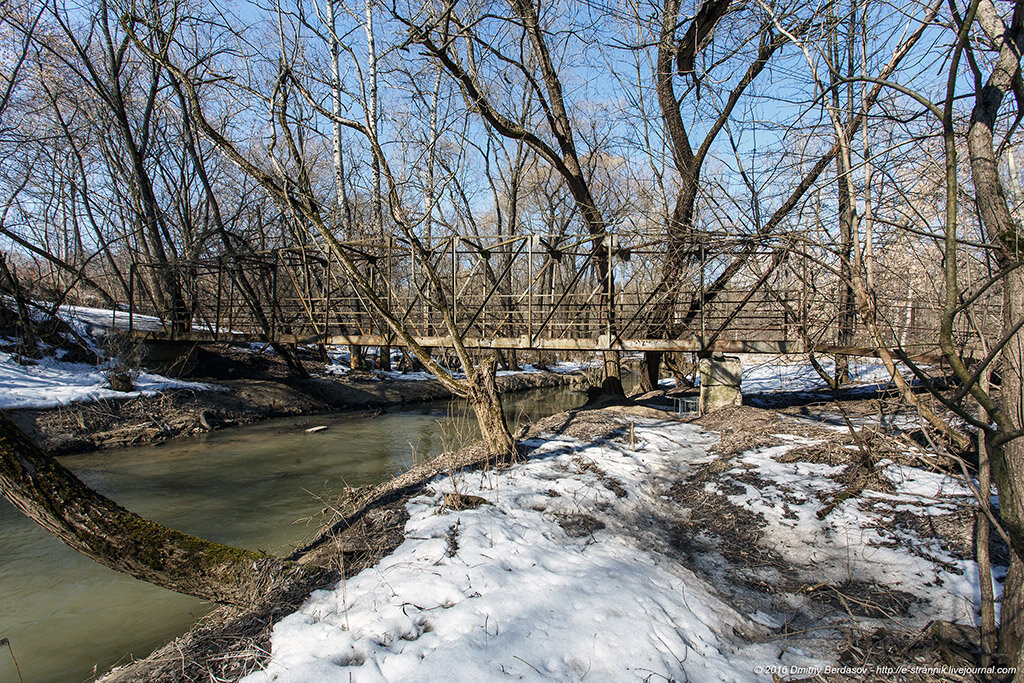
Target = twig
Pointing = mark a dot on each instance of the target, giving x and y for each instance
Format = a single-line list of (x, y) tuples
[(5, 641), (528, 664)]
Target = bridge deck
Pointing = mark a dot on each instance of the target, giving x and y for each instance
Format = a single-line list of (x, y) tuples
[(602, 343)]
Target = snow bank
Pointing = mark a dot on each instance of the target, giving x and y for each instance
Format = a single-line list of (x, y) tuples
[(527, 587), (775, 374), (51, 382)]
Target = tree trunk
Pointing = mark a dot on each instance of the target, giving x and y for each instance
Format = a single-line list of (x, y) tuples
[(96, 526), (845, 301), (982, 537), (290, 356), (1008, 475), (845, 307), (1006, 454), (486, 402), (355, 357), (650, 371), (611, 384)]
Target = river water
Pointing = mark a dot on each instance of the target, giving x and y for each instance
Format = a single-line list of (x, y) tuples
[(259, 486)]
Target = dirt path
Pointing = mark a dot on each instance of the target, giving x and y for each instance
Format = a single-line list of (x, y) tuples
[(84, 427)]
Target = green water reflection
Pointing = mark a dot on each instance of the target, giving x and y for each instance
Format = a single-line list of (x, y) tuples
[(258, 486)]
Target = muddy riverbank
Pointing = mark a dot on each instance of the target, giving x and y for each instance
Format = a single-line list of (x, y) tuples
[(84, 427)]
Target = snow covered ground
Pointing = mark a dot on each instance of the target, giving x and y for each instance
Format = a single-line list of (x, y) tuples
[(524, 587), (771, 373), (556, 576), (49, 382), (339, 365)]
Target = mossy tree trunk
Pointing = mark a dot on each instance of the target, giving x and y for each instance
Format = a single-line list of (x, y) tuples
[(486, 402), (52, 496)]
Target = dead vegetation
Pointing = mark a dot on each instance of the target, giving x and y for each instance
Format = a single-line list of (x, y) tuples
[(866, 620)]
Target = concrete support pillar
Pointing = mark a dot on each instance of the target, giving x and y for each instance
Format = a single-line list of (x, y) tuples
[(720, 383)]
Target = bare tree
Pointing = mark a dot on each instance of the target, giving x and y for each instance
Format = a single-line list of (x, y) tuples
[(296, 193), (553, 137)]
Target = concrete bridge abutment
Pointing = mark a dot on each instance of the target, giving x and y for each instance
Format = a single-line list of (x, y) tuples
[(720, 378)]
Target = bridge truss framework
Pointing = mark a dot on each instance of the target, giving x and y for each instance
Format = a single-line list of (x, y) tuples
[(540, 292)]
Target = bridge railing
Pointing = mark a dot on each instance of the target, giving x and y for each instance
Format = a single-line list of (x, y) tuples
[(530, 291)]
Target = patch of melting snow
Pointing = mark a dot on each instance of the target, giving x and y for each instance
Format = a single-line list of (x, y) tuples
[(525, 587), (50, 382), (858, 540), (509, 589)]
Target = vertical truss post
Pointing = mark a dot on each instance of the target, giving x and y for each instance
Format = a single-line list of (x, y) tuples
[(702, 313), (609, 241), (327, 296), (131, 298), (220, 287), (373, 279), (455, 293), (529, 289), (231, 299), (803, 296), (390, 271), (273, 297), (414, 287)]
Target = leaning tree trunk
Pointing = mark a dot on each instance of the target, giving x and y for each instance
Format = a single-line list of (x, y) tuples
[(486, 402), (96, 526)]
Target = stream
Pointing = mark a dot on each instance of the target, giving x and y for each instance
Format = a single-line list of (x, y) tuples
[(261, 486)]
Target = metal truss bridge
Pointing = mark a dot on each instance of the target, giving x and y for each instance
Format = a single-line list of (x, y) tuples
[(540, 292)]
